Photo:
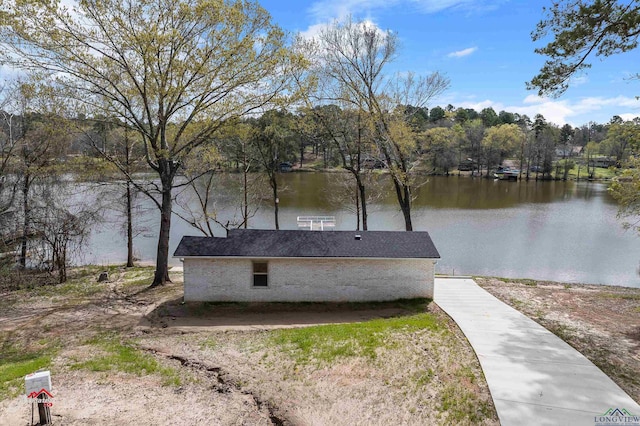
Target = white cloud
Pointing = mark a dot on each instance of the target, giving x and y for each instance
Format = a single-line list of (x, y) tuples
[(629, 116), (572, 111), (71, 6), (464, 52), (432, 6), (533, 99), (579, 80), (8, 72), (313, 31), (479, 106), (325, 12), (594, 103), (329, 10)]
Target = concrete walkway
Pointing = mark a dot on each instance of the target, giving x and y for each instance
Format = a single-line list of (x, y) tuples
[(534, 376)]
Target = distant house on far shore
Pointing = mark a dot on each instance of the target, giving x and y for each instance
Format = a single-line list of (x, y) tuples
[(603, 162), (251, 265), (568, 151)]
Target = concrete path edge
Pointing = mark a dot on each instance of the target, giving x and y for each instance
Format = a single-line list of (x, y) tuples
[(534, 376)]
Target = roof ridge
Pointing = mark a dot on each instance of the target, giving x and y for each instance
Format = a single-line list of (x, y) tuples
[(313, 244)]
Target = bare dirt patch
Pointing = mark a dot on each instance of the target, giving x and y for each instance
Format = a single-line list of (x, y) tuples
[(121, 353), (601, 322), (179, 316), (416, 376)]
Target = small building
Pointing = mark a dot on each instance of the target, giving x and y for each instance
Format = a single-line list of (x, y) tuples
[(603, 162), (251, 265), (568, 151)]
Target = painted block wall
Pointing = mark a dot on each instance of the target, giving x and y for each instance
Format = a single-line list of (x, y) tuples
[(309, 280)]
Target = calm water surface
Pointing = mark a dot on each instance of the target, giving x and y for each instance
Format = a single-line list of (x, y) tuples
[(561, 231)]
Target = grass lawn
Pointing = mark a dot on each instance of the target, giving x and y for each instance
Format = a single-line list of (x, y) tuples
[(393, 362)]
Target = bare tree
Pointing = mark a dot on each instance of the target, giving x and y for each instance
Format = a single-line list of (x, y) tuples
[(174, 71), (123, 145), (8, 183), (204, 192), (343, 192), (40, 134), (126, 147), (272, 143), (354, 56), (61, 228), (350, 132)]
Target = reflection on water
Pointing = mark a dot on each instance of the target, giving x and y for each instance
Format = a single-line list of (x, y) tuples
[(311, 190), (563, 231)]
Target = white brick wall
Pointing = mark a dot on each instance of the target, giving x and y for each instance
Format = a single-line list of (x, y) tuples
[(306, 280)]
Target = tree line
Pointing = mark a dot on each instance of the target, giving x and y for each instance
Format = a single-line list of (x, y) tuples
[(40, 148)]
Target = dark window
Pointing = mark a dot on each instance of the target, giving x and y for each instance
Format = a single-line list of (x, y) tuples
[(260, 274)]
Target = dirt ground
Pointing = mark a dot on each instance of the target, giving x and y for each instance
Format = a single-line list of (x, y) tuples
[(175, 363), (124, 354), (601, 322)]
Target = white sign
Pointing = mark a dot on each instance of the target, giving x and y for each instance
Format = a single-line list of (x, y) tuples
[(36, 383)]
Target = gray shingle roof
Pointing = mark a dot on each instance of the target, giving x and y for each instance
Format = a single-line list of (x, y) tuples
[(271, 243)]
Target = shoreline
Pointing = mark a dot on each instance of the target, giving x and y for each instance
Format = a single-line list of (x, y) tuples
[(333, 170), (148, 263), (456, 173)]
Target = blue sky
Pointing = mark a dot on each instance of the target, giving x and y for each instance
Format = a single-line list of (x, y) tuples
[(485, 48)]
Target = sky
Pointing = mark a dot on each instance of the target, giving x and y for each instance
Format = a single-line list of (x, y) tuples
[(484, 47)]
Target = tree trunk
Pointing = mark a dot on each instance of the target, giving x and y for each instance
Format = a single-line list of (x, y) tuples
[(276, 201), (26, 224), (301, 152), (406, 212), (363, 202), (357, 210), (488, 169), (127, 157), (404, 199), (62, 264), (245, 188), (129, 227), (521, 161), (162, 259), (324, 156)]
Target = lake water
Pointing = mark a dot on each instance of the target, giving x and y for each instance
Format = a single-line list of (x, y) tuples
[(561, 231)]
